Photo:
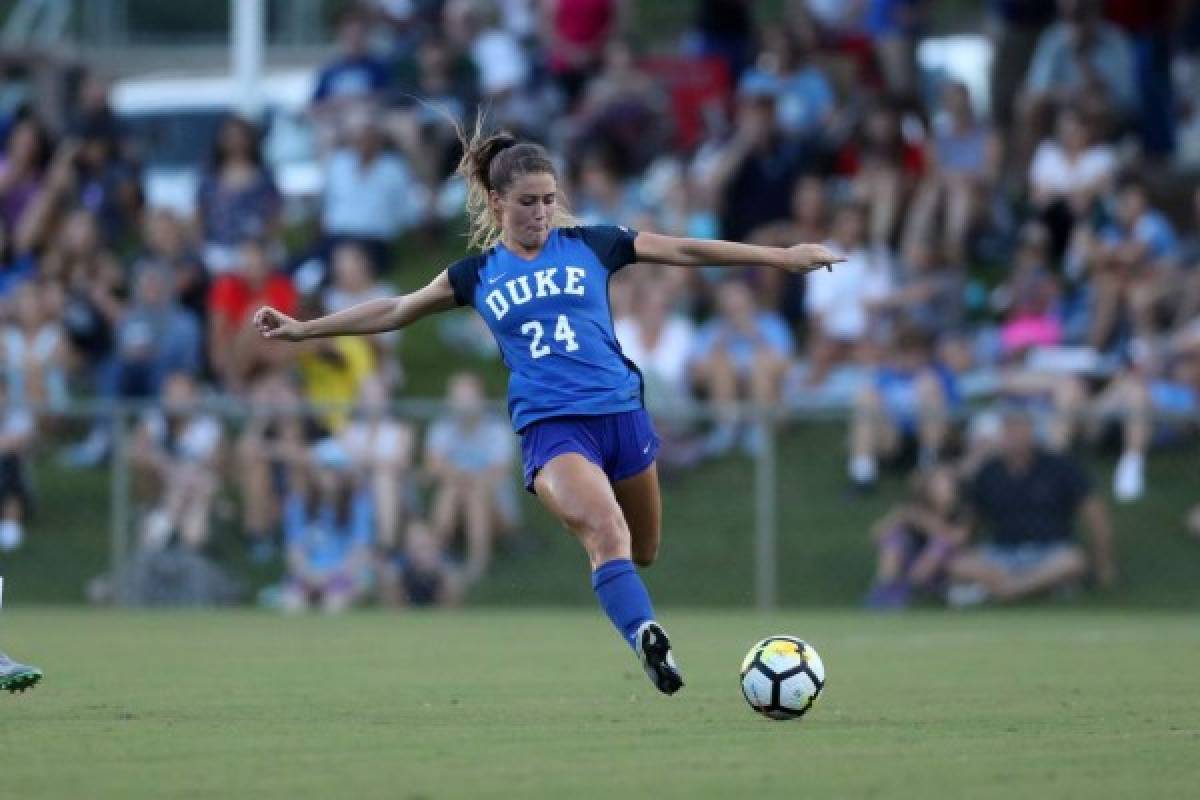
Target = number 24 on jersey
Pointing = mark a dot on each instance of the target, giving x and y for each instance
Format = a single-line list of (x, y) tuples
[(562, 333)]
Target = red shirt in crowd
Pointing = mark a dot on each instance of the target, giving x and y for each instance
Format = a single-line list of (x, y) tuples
[(232, 300), (912, 160), (581, 26)]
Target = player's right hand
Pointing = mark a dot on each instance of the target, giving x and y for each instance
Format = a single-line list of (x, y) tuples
[(274, 324)]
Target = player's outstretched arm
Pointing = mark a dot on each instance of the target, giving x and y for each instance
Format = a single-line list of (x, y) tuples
[(373, 316), (658, 249)]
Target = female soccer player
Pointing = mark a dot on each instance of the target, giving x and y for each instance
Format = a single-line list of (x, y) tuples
[(541, 284)]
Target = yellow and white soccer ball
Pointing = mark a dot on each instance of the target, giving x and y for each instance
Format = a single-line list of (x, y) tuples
[(782, 677)]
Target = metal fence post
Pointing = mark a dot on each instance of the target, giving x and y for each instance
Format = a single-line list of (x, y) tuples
[(119, 504), (766, 497)]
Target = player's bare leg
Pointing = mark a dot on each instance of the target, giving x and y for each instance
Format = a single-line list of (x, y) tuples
[(641, 503), (578, 492)]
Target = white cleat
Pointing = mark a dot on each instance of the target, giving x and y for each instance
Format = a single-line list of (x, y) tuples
[(654, 651)]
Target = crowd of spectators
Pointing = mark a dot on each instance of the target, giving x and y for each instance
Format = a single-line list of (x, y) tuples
[(1026, 239)]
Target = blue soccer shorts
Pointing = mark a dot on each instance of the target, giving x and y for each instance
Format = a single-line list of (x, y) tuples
[(622, 444)]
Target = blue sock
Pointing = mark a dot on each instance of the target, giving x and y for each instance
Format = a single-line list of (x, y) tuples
[(623, 596)]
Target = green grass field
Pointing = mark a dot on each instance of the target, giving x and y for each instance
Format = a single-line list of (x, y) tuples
[(537, 704)]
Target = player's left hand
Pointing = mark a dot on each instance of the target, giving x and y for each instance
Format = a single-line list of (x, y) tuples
[(802, 258)]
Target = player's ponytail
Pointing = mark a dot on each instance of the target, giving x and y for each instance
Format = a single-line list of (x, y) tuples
[(491, 163)]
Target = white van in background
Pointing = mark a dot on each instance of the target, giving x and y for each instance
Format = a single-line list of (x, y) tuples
[(172, 121)]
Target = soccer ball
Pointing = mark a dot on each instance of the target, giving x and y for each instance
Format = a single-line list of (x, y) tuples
[(782, 677)]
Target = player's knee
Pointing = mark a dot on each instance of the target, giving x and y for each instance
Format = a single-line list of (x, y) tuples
[(603, 534)]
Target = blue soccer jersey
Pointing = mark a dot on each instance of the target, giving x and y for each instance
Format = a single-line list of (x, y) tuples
[(551, 317)]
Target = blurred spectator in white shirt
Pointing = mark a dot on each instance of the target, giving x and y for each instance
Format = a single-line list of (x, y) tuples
[(839, 303), (1069, 171), (354, 282), (381, 448), (178, 448), (469, 454), (660, 342), (35, 351)]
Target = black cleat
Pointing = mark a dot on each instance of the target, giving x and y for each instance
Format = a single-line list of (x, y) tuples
[(654, 650)]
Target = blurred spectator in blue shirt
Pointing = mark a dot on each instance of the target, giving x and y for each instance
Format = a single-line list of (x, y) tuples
[(1133, 267), (1084, 61), (370, 193), (904, 413), (155, 337), (805, 101), (328, 532), (740, 356), (603, 197)]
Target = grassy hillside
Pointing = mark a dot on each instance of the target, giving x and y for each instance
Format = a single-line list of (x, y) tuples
[(826, 558)]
